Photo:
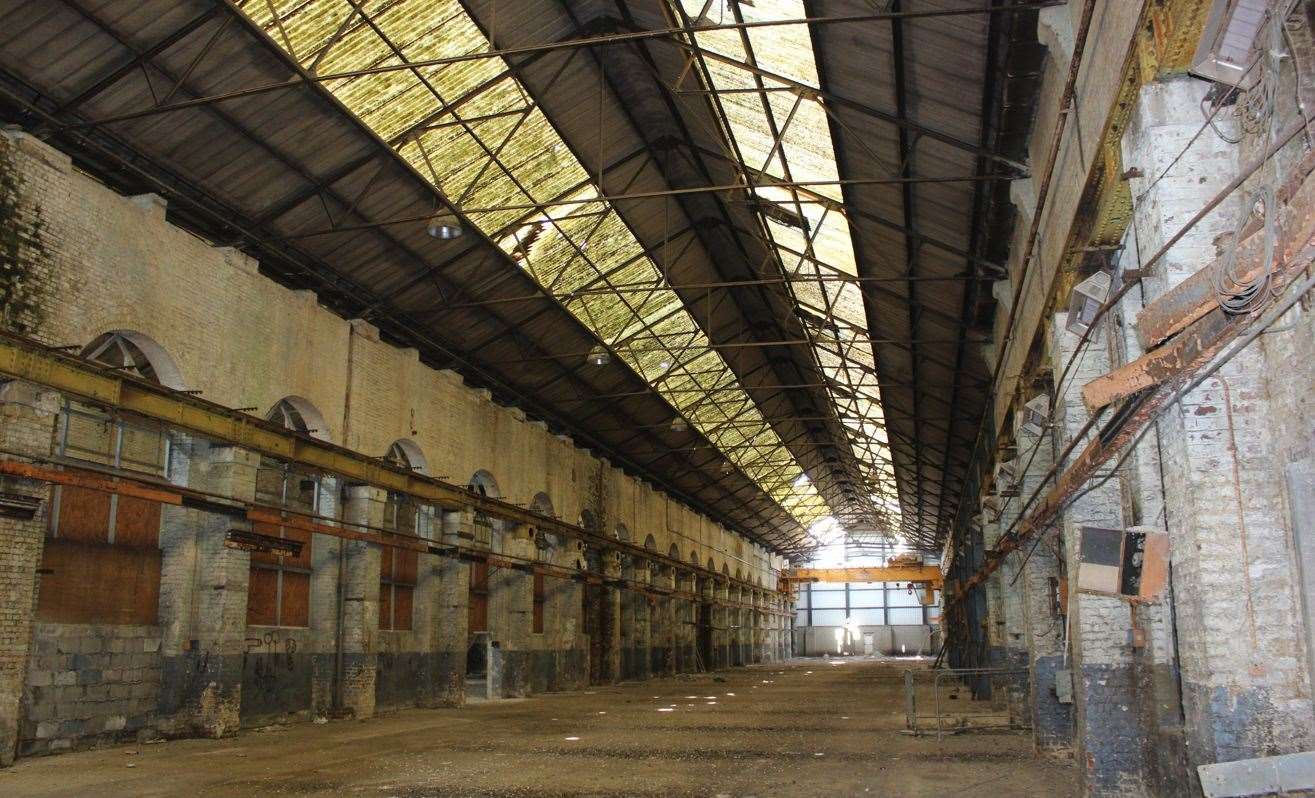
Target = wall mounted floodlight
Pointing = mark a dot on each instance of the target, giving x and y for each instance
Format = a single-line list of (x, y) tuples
[(1226, 48), (1035, 415), (1006, 477), (1085, 302)]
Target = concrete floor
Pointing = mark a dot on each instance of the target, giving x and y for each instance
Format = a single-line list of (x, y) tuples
[(809, 727)]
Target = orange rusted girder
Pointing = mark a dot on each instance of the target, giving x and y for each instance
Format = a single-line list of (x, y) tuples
[(1190, 312), (88, 480), (1196, 296)]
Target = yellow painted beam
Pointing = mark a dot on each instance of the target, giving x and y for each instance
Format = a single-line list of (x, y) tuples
[(25, 359), (893, 573)]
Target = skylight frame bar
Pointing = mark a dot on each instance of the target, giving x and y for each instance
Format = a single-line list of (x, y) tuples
[(843, 352)]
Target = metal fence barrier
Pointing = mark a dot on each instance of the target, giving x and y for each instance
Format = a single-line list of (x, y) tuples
[(993, 683)]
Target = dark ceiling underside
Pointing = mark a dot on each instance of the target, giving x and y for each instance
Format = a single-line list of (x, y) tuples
[(938, 95)]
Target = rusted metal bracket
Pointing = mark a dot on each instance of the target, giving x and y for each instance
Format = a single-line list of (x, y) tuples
[(1134, 414), (1195, 297), (1190, 311)]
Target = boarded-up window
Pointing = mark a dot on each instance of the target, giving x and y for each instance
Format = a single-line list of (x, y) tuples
[(397, 580), (479, 596), (101, 562), (540, 599), (279, 588), (397, 566)]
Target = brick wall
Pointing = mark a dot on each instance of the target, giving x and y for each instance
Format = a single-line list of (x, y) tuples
[(89, 684), (1245, 688), (115, 263), (245, 341), (26, 424)]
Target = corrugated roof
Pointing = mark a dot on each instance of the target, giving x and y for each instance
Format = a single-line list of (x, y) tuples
[(747, 215), (498, 160)]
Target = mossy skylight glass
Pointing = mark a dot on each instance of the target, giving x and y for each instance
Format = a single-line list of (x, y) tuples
[(473, 130), (779, 133)]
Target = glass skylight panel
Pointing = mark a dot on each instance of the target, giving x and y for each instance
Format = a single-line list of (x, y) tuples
[(812, 237), (474, 131)]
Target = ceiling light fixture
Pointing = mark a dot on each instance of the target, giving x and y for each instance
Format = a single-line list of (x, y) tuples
[(445, 228), (679, 424), (598, 356)]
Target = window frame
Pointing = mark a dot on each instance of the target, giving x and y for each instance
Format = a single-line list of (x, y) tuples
[(540, 592), (280, 565), (391, 585)]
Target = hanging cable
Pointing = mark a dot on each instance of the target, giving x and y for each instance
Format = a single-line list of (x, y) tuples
[(1233, 292)]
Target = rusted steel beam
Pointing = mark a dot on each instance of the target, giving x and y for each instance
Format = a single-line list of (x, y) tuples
[(1122, 430), (263, 514), (1157, 365), (1196, 296), (1191, 311), (90, 481), (143, 487)]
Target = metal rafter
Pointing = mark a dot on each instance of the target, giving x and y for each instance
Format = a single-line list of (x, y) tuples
[(709, 482)]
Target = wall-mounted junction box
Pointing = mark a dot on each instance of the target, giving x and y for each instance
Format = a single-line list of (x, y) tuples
[(1132, 563)]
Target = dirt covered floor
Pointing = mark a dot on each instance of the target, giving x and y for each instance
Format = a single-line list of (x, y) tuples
[(808, 727)]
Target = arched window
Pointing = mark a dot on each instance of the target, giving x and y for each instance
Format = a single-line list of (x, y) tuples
[(402, 513), (483, 483), (673, 552), (589, 521), (487, 530), (622, 534), (542, 504), (694, 558), (102, 558), (137, 354), (650, 543), (406, 453), (545, 542), (299, 415), (399, 567), (279, 589)]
